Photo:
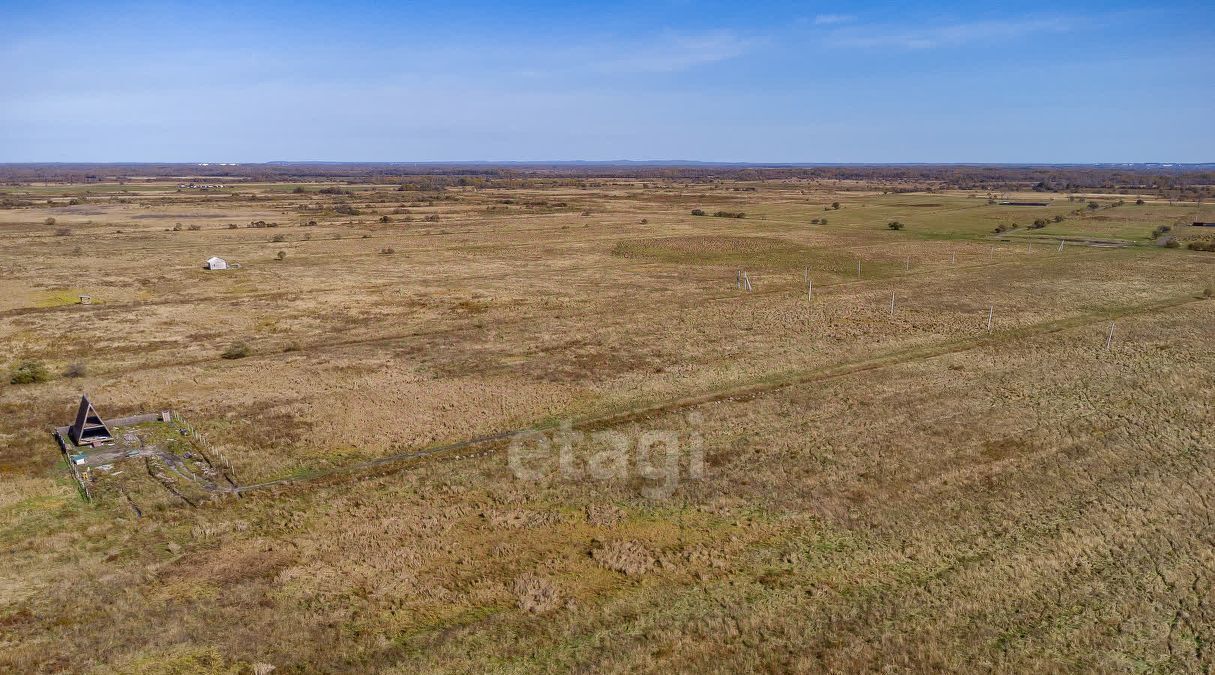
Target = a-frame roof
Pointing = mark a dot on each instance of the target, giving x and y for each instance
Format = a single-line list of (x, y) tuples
[(88, 427)]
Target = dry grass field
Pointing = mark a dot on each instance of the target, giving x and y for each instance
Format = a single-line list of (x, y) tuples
[(874, 490)]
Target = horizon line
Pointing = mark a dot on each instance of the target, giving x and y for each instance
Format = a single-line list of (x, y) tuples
[(607, 162)]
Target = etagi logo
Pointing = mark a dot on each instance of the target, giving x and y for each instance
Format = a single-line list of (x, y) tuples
[(655, 455)]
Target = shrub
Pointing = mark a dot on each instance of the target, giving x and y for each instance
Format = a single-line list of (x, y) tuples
[(1139, 202), (233, 226), (835, 205), (292, 347), (432, 218), (729, 214), (281, 255), (388, 250), (177, 227), (1093, 206), (385, 219), (1202, 246), (346, 210), (278, 238), (895, 225), (49, 222), (29, 372), (814, 221), (1039, 224), (822, 221), (76, 370), (698, 212), (1162, 229), (194, 228), (1209, 291), (236, 350), (63, 232), (1058, 219), (645, 221)]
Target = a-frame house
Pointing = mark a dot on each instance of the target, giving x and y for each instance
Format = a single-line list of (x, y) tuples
[(88, 429)]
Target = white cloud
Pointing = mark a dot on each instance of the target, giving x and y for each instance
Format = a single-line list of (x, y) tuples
[(673, 52), (833, 19), (946, 35)]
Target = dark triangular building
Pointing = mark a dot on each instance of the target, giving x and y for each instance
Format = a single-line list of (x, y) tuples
[(88, 429)]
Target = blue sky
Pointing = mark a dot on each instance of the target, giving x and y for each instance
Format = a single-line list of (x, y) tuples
[(730, 81)]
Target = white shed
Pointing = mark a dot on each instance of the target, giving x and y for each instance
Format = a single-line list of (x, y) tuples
[(214, 263)]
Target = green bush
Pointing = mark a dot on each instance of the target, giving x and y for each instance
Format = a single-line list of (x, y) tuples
[(895, 225), (698, 212), (237, 350), (29, 372), (730, 214)]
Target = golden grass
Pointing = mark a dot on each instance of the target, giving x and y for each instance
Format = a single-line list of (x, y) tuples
[(907, 492)]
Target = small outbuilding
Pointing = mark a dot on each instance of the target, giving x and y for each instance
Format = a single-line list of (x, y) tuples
[(88, 429), (214, 263)]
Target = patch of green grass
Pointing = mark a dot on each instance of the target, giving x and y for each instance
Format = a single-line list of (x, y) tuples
[(59, 298), (751, 253)]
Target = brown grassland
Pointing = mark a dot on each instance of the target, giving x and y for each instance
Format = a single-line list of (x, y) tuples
[(906, 492)]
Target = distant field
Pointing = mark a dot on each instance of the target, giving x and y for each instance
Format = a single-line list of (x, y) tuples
[(859, 487)]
